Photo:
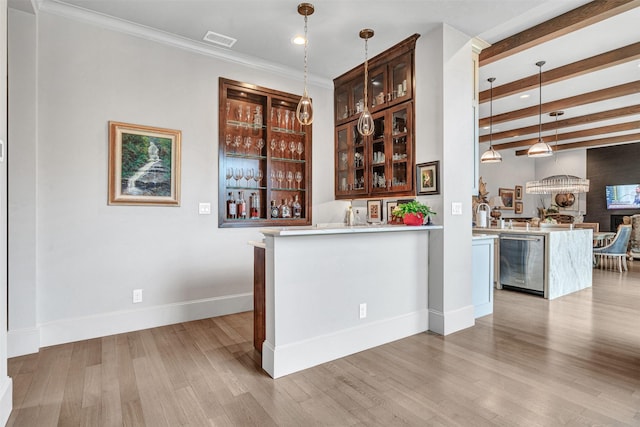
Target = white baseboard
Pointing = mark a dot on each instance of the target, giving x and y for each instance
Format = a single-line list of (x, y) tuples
[(82, 328), (283, 360), (6, 399), (23, 341), (451, 321)]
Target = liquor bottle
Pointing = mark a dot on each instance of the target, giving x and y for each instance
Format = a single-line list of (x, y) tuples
[(254, 206), (285, 210), (275, 212), (241, 206), (297, 208), (232, 213)]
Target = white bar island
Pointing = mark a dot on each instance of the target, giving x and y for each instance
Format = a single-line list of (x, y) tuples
[(331, 292)]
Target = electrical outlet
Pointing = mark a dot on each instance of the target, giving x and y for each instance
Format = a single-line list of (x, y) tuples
[(137, 296), (363, 310), (204, 208), (456, 208)]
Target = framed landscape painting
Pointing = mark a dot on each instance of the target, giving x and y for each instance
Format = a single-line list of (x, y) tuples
[(144, 165)]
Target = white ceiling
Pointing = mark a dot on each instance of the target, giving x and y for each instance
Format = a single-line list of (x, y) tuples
[(264, 29)]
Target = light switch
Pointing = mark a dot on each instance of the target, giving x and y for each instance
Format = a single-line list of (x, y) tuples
[(456, 208), (204, 209)]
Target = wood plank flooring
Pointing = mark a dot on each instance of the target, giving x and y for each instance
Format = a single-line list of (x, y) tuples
[(573, 361)]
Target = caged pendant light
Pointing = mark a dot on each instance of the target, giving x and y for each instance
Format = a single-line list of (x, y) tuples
[(540, 148), (304, 112), (366, 125), (491, 155)]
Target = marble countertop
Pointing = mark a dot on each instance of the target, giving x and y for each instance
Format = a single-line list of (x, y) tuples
[(480, 236), (531, 230), (321, 229)]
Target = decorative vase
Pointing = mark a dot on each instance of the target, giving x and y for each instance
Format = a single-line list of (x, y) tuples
[(413, 219)]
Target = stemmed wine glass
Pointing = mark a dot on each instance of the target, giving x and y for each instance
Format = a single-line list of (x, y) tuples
[(298, 178), (237, 175), (258, 177), (237, 141), (289, 179), (300, 149), (283, 147), (272, 176), (228, 140), (228, 108), (280, 178), (273, 146), (286, 119), (248, 175), (229, 174), (279, 114), (292, 147), (260, 145), (247, 144)]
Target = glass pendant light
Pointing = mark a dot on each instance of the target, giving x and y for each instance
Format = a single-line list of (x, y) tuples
[(491, 155), (304, 112), (365, 122), (540, 148)]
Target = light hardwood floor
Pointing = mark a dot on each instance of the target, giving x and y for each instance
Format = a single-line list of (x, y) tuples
[(572, 361)]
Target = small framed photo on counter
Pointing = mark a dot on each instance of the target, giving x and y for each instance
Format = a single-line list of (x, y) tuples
[(374, 211)]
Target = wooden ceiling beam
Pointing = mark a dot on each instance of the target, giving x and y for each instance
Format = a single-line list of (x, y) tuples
[(573, 121), (580, 17), (575, 69), (612, 140), (562, 104), (602, 130)]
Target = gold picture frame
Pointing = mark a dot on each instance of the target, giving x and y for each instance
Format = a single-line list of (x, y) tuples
[(518, 194), (519, 208), (144, 165), (507, 196)]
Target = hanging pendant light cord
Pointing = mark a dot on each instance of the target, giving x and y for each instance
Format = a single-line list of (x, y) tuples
[(491, 115), (540, 102), (306, 41), (366, 71)]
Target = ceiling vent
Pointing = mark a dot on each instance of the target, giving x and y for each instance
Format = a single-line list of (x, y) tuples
[(220, 39)]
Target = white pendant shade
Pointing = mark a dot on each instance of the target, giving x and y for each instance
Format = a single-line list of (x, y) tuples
[(490, 156), (540, 149)]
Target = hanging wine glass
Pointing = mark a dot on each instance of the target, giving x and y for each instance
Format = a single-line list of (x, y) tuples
[(248, 175), (259, 146), (298, 178), (280, 178), (237, 175), (258, 177), (292, 148), (289, 179), (228, 139), (229, 174), (299, 150)]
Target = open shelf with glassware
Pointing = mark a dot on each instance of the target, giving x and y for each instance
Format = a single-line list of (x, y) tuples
[(264, 158)]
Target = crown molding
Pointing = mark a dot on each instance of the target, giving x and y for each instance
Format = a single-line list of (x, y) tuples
[(477, 44), (126, 27)]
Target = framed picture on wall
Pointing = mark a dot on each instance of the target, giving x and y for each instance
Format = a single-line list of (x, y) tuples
[(518, 194), (519, 208), (507, 195), (144, 165), (428, 176), (374, 211)]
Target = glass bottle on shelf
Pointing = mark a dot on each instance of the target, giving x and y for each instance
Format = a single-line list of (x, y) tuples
[(231, 207), (285, 210), (297, 208), (275, 212), (241, 206), (254, 203)]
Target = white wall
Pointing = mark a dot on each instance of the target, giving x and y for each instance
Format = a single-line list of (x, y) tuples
[(6, 387), (90, 256), (444, 132)]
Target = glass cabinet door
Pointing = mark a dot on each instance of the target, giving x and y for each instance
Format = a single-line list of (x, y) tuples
[(379, 173), (400, 79), (350, 162), (400, 148)]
